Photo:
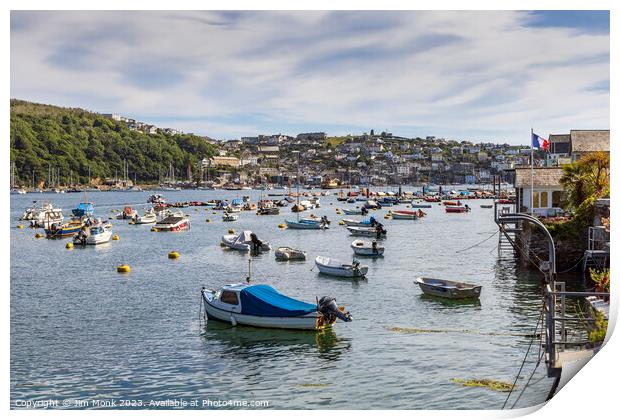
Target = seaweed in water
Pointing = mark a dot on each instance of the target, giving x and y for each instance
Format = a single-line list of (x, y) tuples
[(486, 383)]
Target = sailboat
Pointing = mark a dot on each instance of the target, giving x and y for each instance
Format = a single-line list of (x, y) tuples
[(304, 223)]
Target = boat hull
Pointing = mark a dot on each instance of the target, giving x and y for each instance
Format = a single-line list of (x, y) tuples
[(303, 225), (370, 233), (448, 289)]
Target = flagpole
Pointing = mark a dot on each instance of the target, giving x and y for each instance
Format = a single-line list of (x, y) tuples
[(532, 172)]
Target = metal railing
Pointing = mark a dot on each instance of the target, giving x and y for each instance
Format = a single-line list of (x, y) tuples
[(598, 238)]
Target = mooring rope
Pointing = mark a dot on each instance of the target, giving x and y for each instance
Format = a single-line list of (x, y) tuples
[(479, 243), (542, 309)]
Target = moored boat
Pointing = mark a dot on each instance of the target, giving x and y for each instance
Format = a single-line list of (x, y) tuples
[(285, 253), (173, 223), (377, 231), (94, 235), (55, 231), (84, 209), (353, 212), (367, 249), (127, 213), (370, 222), (149, 217), (405, 215), (335, 268), (457, 209), (305, 224), (448, 288), (229, 217), (262, 306), (245, 241)]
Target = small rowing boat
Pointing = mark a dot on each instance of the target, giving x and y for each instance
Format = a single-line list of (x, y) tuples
[(448, 288), (285, 253), (405, 215), (229, 217), (457, 209)]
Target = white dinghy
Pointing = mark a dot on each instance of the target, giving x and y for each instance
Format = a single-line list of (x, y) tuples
[(336, 268), (245, 241), (372, 232), (370, 249), (285, 253)]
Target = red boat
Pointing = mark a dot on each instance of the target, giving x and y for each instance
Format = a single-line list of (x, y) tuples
[(505, 201), (457, 209), (432, 199)]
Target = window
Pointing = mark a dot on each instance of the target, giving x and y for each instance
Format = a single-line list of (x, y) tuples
[(544, 199), (556, 198), (536, 199), (229, 297)]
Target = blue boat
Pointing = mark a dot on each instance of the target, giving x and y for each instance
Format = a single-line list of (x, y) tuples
[(306, 224), (84, 209)]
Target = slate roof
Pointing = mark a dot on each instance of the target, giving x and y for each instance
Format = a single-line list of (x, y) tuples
[(548, 176), (584, 141)]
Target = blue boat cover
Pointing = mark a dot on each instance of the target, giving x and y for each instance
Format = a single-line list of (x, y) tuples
[(237, 202), (84, 209), (263, 300)]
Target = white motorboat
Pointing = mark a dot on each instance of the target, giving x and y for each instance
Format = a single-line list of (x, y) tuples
[(448, 288), (353, 212), (229, 217), (149, 217), (94, 235), (262, 306), (127, 213), (367, 231), (37, 213), (173, 223), (336, 268), (285, 253), (367, 248), (245, 241)]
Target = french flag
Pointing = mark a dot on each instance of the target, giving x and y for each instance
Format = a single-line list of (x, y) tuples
[(539, 142)]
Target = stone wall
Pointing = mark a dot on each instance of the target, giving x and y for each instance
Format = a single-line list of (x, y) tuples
[(567, 252)]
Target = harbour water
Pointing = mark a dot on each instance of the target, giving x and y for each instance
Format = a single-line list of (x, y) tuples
[(80, 330)]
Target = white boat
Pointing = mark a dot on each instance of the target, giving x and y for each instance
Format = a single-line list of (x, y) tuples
[(404, 215), (173, 223), (371, 221), (245, 241), (367, 248), (149, 217), (448, 288), (353, 212), (37, 212), (229, 217), (285, 253), (94, 235), (335, 268), (127, 213), (262, 306), (367, 231), (307, 204)]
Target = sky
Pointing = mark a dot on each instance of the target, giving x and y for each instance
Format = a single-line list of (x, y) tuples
[(474, 75)]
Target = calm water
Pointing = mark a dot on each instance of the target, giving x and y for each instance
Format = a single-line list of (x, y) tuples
[(80, 330)]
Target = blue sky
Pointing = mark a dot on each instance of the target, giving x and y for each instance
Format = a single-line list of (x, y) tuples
[(477, 75)]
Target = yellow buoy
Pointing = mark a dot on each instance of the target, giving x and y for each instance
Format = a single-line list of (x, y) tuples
[(123, 268), (222, 244), (69, 245), (387, 216), (231, 231), (115, 238), (132, 223), (337, 209), (38, 235), (214, 212), (20, 226), (208, 220), (341, 223), (173, 255), (153, 229), (281, 225)]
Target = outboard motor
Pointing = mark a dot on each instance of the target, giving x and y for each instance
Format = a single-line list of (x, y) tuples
[(329, 309)]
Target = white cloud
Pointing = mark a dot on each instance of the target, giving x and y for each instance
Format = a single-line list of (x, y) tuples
[(460, 74)]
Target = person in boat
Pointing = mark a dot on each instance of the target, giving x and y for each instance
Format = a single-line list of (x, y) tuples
[(374, 247), (256, 243), (373, 221), (364, 211), (466, 207), (378, 229)]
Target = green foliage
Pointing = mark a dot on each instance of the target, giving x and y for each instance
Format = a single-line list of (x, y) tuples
[(585, 181), (74, 140), (598, 333), (565, 230)]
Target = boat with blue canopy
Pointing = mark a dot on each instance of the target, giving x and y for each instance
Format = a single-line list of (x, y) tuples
[(261, 305), (84, 209), (371, 221)]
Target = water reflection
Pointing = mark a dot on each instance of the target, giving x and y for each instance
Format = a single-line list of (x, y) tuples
[(244, 341), (445, 303)]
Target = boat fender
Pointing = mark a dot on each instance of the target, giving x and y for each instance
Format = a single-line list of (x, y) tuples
[(115, 238), (233, 321)]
